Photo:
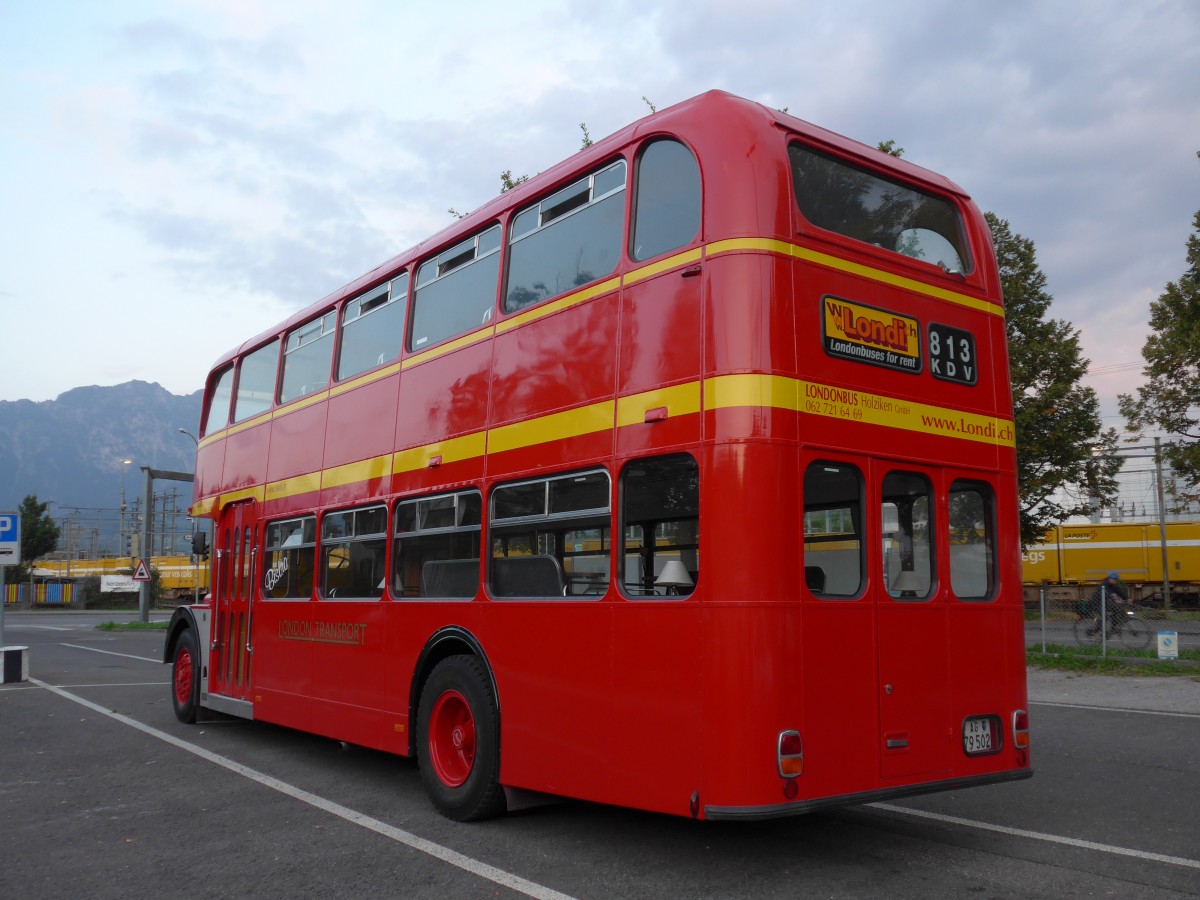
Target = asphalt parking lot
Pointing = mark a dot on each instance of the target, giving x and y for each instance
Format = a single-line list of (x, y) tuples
[(106, 795)]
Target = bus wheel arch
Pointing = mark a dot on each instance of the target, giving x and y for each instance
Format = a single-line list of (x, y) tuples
[(453, 640), (458, 739)]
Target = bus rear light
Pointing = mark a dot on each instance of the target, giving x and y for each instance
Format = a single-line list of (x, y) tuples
[(1021, 735), (791, 754)]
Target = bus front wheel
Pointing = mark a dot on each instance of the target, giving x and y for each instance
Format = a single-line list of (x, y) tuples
[(458, 741), (185, 678)]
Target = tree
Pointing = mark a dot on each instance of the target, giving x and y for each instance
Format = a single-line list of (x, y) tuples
[(1066, 463), (1170, 398), (39, 535)]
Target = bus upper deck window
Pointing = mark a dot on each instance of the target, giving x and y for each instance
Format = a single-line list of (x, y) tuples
[(667, 205), (849, 200), (567, 240), (256, 382), (306, 355), (456, 290), (218, 406), (373, 327)]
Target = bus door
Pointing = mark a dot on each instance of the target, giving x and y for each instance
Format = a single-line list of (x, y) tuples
[(911, 626), (840, 727), (237, 557)]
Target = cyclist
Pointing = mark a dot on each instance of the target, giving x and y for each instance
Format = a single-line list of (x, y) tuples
[(1116, 601)]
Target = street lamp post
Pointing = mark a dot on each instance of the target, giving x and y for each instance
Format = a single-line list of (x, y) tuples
[(195, 559)]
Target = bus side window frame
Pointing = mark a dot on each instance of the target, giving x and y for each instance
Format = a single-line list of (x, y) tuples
[(384, 301), (583, 202), (822, 579), (645, 210), (354, 538), (676, 576), (264, 405), (900, 547), (301, 543), (987, 493), (439, 526), (433, 273), (305, 351), (220, 386), (537, 518)]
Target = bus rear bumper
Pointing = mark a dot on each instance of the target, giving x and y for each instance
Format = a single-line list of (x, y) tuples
[(799, 807)]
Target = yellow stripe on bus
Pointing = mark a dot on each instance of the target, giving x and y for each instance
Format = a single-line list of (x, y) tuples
[(695, 255), (679, 259), (746, 391), (364, 379), (251, 493), (554, 427), (353, 473), (677, 400), (561, 303), (473, 337), (849, 404), (290, 487), (456, 449), (795, 251)]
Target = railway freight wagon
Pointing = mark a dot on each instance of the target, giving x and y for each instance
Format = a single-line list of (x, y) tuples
[(178, 576), (1083, 554)]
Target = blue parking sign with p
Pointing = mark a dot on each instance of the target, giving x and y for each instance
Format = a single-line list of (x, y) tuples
[(10, 539)]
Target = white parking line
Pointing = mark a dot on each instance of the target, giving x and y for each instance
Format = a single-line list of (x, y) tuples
[(1039, 836), (1120, 709), (445, 854), (112, 653), (119, 684)]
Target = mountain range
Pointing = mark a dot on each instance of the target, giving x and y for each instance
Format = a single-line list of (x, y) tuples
[(71, 451)]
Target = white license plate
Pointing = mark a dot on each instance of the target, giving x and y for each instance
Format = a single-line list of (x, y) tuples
[(979, 735)]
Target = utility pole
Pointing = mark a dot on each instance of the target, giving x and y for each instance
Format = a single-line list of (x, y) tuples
[(1162, 523)]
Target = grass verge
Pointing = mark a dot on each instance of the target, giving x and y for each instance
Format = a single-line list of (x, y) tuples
[(133, 626), (1117, 662)]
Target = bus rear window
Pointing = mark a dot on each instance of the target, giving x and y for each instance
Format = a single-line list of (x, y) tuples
[(843, 198), (834, 558)]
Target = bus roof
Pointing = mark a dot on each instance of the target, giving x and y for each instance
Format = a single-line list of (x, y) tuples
[(710, 106)]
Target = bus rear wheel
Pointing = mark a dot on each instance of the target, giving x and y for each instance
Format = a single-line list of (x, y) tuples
[(185, 681), (458, 741)]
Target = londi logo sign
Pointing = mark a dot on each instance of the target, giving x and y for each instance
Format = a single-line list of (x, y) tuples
[(866, 334)]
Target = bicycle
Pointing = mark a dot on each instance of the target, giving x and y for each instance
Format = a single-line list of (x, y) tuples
[(1126, 630)]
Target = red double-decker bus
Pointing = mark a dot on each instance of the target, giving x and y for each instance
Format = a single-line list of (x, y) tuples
[(679, 477)]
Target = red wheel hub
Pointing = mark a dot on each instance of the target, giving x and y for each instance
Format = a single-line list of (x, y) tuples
[(183, 677), (452, 738)]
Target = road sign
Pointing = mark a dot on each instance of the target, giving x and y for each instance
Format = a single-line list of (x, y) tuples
[(10, 538), (1168, 645), (142, 572)]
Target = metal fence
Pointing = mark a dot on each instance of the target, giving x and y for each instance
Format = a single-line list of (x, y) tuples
[(1072, 616)]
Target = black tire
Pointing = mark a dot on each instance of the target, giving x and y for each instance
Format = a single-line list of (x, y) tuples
[(458, 741), (185, 677)]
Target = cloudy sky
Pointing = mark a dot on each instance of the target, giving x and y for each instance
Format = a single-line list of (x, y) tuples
[(181, 174)]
